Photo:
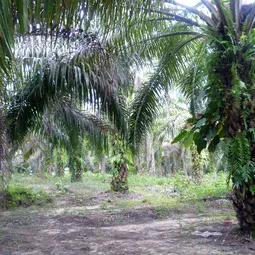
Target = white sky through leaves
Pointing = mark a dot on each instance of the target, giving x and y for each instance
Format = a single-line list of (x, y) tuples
[(193, 2)]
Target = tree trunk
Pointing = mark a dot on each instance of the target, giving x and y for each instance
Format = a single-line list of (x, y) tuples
[(243, 200), (245, 211), (5, 161), (119, 182), (76, 169), (60, 169), (150, 159), (138, 164), (103, 164), (78, 175), (196, 168)]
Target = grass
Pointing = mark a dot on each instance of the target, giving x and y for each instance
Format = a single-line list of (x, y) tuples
[(92, 184), (173, 191), (18, 195)]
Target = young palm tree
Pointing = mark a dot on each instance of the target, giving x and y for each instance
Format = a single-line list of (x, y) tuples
[(53, 83), (209, 48), (87, 77)]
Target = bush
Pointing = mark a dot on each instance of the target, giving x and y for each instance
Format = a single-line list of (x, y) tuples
[(18, 195), (22, 169)]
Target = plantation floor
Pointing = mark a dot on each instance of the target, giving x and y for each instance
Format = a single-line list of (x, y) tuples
[(135, 231), (87, 219)]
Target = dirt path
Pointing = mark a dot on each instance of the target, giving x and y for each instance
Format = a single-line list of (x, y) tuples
[(133, 232)]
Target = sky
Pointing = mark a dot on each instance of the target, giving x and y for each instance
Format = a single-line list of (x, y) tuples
[(193, 2)]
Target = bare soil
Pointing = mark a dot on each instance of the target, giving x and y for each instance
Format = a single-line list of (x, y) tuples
[(145, 230)]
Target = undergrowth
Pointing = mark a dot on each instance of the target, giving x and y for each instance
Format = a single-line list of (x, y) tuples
[(168, 191), (18, 195)]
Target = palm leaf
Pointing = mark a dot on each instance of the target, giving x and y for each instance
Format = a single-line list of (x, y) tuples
[(146, 105), (235, 7), (81, 69)]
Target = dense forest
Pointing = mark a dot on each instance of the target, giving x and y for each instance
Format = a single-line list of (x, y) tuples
[(134, 117)]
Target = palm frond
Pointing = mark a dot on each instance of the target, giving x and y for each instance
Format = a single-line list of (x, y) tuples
[(235, 7), (211, 8), (83, 70), (74, 123), (210, 22), (21, 17), (250, 20), (146, 104)]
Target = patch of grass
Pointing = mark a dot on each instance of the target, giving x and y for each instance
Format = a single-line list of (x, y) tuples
[(18, 195), (171, 190), (175, 192), (129, 204), (211, 186), (162, 212), (91, 183), (147, 180)]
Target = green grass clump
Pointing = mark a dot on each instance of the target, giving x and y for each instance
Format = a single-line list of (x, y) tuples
[(145, 180), (212, 185), (18, 195), (172, 191)]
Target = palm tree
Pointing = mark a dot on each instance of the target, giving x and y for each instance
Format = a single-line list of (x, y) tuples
[(54, 21), (207, 48), (53, 83)]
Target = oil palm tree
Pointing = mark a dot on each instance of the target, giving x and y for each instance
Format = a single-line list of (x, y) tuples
[(54, 21), (207, 48), (55, 83)]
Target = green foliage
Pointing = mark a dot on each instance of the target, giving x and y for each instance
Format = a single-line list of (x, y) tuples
[(59, 185), (118, 165), (182, 183), (18, 195), (115, 162), (211, 185), (22, 168), (240, 166), (143, 190)]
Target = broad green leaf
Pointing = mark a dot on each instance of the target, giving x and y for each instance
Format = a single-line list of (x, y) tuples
[(188, 141), (212, 132), (181, 136), (201, 144), (213, 144), (201, 122), (252, 189)]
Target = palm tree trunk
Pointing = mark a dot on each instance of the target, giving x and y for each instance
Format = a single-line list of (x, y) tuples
[(119, 182), (196, 168), (244, 206), (5, 161), (76, 169), (242, 197), (60, 169), (78, 174)]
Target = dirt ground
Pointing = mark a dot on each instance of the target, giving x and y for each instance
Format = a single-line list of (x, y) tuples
[(144, 230)]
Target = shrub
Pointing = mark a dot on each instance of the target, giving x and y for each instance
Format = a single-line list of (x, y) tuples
[(22, 169), (18, 195)]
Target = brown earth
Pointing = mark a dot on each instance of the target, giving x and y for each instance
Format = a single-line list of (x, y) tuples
[(144, 230)]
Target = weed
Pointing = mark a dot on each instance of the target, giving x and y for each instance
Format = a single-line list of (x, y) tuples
[(118, 217), (162, 212), (59, 185), (199, 207), (170, 192), (18, 195), (104, 205)]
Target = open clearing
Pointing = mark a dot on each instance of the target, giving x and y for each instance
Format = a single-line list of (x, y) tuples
[(99, 225)]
